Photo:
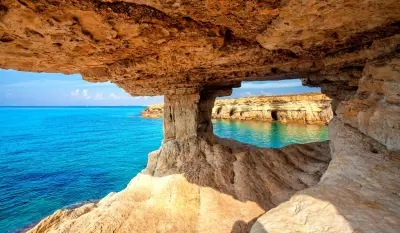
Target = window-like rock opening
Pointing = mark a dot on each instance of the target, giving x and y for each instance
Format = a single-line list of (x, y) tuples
[(270, 114), (274, 115)]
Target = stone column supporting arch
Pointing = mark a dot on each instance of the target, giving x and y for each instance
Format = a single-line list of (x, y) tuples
[(190, 114)]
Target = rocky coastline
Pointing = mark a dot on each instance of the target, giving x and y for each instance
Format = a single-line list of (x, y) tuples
[(308, 108), (192, 52)]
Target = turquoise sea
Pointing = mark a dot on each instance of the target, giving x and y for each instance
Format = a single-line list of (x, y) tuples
[(54, 157)]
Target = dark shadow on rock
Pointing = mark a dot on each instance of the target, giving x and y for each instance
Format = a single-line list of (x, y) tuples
[(245, 181), (358, 193), (241, 226), (266, 176)]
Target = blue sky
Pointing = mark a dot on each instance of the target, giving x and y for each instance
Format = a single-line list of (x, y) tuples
[(44, 89)]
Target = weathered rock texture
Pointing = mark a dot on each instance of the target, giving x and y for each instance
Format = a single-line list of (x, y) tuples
[(197, 182), (199, 185), (360, 190), (159, 47), (311, 108), (194, 51)]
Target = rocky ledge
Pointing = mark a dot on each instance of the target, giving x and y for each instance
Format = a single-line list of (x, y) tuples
[(194, 51), (310, 108), (182, 192)]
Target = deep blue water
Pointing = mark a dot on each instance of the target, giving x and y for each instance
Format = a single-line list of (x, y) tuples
[(52, 157)]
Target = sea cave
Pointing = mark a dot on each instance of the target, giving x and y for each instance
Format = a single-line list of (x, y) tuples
[(192, 52)]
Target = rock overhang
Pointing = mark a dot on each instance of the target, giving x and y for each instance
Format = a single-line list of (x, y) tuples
[(193, 51), (182, 47)]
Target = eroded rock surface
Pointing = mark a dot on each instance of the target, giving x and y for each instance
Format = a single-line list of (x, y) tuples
[(179, 47), (194, 51), (311, 108), (199, 184), (360, 190)]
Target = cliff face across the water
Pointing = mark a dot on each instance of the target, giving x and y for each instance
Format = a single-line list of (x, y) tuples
[(310, 108)]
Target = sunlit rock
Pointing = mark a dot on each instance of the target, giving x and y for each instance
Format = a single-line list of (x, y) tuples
[(314, 108), (194, 51), (199, 184)]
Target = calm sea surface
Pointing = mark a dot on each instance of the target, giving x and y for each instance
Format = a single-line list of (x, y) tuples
[(53, 157)]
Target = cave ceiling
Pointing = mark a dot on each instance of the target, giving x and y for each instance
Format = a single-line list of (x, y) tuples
[(158, 47)]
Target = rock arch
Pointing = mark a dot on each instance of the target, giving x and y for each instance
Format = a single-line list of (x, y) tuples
[(191, 53)]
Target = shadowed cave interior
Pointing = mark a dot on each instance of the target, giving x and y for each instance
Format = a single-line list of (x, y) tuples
[(274, 115)]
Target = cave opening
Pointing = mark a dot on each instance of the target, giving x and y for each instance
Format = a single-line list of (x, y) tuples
[(265, 113), (274, 115)]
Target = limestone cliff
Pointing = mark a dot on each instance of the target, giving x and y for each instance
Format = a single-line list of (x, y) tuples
[(310, 108), (360, 190), (197, 182), (194, 51), (180, 191)]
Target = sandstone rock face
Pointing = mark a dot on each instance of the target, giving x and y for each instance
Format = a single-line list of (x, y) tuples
[(153, 111), (180, 47), (312, 108), (375, 109), (360, 190), (193, 51), (199, 184)]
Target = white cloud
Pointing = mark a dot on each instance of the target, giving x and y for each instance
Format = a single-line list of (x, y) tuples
[(248, 93), (85, 92), (75, 93), (265, 93), (271, 84), (114, 96), (98, 96), (141, 97)]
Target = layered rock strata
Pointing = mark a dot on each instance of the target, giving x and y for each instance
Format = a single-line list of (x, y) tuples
[(179, 47), (360, 190), (310, 108), (193, 51), (199, 184)]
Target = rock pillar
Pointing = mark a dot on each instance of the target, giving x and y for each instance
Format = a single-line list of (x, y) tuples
[(188, 115)]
